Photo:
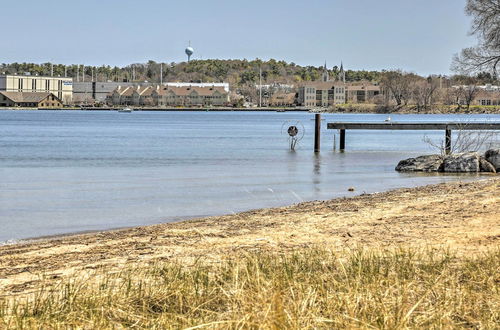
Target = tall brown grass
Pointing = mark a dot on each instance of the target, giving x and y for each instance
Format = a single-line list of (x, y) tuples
[(311, 288)]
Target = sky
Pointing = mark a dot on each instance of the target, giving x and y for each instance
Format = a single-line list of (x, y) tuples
[(418, 36)]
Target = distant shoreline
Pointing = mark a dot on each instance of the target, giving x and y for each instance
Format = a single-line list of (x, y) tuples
[(347, 108)]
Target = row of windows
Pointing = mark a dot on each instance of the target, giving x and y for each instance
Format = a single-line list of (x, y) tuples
[(48, 84), (487, 102)]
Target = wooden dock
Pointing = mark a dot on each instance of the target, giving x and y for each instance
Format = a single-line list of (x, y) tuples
[(447, 127)]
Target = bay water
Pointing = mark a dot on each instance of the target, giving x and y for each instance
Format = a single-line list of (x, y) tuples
[(74, 171)]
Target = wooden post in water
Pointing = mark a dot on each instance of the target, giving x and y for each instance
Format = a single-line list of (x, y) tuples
[(447, 141), (317, 132), (342, 139)]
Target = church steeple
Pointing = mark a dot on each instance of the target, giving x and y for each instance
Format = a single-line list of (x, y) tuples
[(341, 75), (326, 75)]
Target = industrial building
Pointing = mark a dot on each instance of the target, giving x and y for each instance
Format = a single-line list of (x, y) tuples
[(62, 88)]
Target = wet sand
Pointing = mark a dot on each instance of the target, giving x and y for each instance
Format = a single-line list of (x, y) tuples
[(464, 217)]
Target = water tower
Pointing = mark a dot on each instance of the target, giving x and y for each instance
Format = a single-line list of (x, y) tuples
[(189, 51)]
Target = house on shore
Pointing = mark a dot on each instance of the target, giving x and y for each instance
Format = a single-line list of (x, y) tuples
[(61, 87), (29, 100), (281, 99)]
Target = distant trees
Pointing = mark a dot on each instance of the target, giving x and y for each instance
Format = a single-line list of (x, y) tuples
[(398, 85), (408, 88), (423, 91), (486, 26)]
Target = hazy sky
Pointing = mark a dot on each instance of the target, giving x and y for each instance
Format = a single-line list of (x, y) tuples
[(414, 35)]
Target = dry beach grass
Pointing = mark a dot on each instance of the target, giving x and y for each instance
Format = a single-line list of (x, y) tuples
[(420, 257)]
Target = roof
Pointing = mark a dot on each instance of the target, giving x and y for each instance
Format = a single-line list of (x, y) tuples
[(323, 85), (125, 91), (144, 91), (366, 87), (186, 90), (26, 97)]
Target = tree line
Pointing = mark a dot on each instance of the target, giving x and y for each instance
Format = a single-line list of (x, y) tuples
[(236, 72), (403, 88)]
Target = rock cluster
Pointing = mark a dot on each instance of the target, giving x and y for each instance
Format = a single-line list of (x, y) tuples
[(468, 162)]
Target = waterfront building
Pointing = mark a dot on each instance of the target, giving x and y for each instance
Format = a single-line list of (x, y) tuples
[(165, 95), (321, 94), (488, 97), (122, 95), (98, 92), (325, 93), (362, 92), (62, 88), (143, 96), (484, 94), (30, 100), (282, 99)]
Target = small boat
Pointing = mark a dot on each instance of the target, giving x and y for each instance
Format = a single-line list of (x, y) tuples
[(127, 109)]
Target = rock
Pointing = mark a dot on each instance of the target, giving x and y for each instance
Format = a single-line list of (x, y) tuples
[(428, 163), (351, 189), (465, 163), (486, 166), (493, 156)]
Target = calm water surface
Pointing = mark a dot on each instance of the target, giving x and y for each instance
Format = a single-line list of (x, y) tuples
[(71, 171)]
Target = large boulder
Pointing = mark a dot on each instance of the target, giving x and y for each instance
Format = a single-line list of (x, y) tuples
[(493, 156), (486, 166), (428, 163), (463, 163)]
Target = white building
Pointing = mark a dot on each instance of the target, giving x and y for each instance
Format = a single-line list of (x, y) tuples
[(188, 84)]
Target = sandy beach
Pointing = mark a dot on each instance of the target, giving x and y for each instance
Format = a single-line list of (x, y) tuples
[(461, 216)]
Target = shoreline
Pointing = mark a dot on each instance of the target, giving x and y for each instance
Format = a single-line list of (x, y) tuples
[(343, 109), (461, 177), (461, 216)]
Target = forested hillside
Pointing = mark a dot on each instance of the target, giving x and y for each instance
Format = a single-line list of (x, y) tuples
[(239, 72)]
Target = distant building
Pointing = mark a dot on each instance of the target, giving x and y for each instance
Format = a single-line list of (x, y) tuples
[(281, 99), (321, 94), (29, 100), (189, 84), (324, 93), (486, 94), (62, 88), (161, 95), (488, 97), (90, 92), (362, 92), (121, 96)]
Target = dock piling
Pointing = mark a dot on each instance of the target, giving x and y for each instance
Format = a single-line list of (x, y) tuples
[(447, 143), (342, 139), (317, 132)]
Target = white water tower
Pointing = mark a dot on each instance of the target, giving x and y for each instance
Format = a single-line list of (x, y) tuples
[(189, 51)]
